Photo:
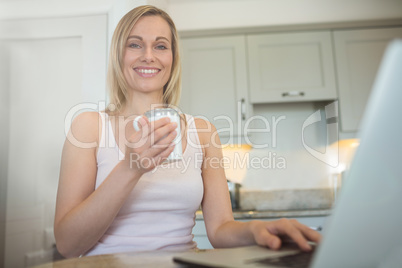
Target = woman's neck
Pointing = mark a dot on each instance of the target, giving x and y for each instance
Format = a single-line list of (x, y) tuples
[(140, 103)]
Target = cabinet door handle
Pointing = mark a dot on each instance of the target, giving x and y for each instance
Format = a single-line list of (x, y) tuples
[(293, 94), (243, 109), (316, 228)]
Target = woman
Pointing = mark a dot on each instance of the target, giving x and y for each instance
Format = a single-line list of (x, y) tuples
[(109, 200)]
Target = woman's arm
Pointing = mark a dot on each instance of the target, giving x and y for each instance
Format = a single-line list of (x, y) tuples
[(83, 214), (222, 230)]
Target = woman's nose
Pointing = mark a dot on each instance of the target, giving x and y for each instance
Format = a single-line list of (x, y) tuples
[(148, 55)]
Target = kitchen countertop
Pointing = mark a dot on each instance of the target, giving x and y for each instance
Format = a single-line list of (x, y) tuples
[(256, 214)]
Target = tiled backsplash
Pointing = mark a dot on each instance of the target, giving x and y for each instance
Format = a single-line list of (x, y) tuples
[(285, 170)]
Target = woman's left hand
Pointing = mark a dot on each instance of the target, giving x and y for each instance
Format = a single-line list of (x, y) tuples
[(271, 233)]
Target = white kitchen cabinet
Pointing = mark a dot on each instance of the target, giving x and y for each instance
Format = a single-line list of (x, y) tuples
[(358, 56), (215, 81), (200, 233), (288, 67)]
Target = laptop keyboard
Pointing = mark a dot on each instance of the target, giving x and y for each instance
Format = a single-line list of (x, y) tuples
[(298, 260)]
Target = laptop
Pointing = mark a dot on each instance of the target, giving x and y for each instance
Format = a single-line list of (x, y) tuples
[(365, 228)]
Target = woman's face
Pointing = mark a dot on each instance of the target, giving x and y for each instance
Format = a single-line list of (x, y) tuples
[(148, 55)]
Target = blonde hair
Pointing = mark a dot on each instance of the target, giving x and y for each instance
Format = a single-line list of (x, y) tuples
[(117, 84)]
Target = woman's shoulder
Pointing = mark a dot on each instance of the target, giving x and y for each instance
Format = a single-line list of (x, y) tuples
[(87, 119), (203, 123), (86, 127), (205, 129)]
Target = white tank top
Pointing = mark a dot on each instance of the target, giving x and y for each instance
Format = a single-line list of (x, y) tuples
[(160, 211)]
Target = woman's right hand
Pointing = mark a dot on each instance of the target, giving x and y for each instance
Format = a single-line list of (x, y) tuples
[(151, 145)]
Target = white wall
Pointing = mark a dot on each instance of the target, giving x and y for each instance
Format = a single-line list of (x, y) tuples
[(38, 105), (190, 15), (4, 139), (193, 15)]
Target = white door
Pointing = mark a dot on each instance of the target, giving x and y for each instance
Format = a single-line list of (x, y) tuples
[(49, 66)]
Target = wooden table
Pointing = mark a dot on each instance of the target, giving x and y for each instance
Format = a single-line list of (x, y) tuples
[(162, 259)]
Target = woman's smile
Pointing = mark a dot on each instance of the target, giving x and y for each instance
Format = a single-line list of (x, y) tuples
[(147, 72)]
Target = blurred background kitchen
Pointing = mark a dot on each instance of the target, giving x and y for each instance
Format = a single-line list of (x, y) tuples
[(288, 79)]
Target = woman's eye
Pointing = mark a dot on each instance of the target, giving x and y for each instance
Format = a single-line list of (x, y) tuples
[(161, 47), (133, 45)]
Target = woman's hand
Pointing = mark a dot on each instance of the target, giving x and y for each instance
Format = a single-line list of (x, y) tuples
[(150, 146), (272, 233)]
